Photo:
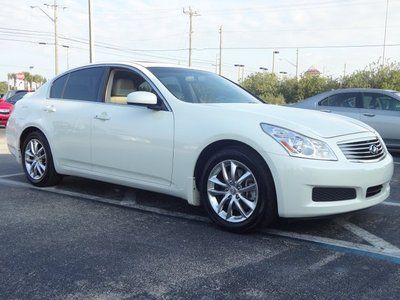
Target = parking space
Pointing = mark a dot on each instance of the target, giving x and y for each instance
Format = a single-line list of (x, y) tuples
[(85, 239)]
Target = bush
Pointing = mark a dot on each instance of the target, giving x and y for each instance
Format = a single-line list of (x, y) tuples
[(276, 90)]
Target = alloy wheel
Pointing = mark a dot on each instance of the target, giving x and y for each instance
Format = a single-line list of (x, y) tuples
[(35, 159), (232, 191)]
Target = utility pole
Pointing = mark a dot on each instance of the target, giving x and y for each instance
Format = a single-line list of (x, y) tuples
[(384, 35), (54, 19), (220, 51), (91, 36), (297, 63), (191, 14), (344, 70)]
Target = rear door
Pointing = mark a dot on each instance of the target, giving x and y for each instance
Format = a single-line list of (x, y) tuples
[(346, 104), (68, 113), (131, 141), (382, 112)]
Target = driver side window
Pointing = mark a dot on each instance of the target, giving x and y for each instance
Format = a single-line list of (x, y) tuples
[(123, 82)]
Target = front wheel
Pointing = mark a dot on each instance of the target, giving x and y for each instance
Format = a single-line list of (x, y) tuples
[(37, 161), (237, 190)]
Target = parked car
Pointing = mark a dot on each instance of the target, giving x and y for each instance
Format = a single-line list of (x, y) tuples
[(378, 108), (7, 106), (195, 135), (5, 110), (11, 93)]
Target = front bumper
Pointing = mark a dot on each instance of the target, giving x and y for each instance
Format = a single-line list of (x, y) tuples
[(295, 179)]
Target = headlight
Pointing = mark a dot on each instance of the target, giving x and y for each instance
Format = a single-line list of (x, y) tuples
[(5, 111), (299, 145)]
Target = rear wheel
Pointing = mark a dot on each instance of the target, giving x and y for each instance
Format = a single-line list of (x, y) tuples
[(37, 161), (237, 190)]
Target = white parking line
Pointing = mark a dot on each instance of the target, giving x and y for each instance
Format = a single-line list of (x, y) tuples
[(391, 203), (368, 237), (337, 245), (11, 175), (332, 244), (130, 204)]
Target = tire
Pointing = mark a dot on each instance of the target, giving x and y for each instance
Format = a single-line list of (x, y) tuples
[(37, 161), (258, 188)]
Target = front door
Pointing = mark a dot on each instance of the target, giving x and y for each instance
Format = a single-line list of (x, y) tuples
[(129, 141), (382, 113)]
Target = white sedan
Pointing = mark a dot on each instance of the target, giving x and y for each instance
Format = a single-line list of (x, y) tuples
[(198, 136)]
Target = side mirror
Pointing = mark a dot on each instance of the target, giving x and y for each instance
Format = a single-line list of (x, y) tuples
[(142, 98)]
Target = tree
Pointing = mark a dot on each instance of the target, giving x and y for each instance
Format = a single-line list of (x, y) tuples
[(276, 90), (3, 87)]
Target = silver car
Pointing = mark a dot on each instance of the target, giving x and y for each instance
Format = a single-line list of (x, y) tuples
[(378, 108)]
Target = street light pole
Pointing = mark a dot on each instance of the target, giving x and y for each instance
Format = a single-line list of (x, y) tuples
[(273, 60), (67, 47), (220, 51), (297, 63), (240, 71), (54, 19), (384, 35), (91, 36)]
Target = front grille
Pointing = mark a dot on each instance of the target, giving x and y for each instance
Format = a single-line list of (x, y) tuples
[(324, 194), (374, 190), (363, 151)]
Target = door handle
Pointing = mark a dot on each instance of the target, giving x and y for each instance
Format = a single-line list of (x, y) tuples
[(50, 108), (327, 110), (102, 117), (369, 115)]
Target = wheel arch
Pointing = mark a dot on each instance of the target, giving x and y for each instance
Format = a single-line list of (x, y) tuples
[(28, 130), (215, 146)]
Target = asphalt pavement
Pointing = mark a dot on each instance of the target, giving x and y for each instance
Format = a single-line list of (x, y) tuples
[(90, 240)]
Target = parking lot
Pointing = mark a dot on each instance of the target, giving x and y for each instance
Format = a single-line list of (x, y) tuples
[(87, 239)]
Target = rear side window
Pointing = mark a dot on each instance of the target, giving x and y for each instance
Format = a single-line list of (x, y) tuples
[(341, 100), (84, 84), (57, 87)]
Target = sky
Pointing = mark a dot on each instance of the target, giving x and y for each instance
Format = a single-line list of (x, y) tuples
[(155, 30)]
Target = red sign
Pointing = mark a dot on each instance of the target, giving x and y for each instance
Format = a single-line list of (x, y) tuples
[(20, 76)]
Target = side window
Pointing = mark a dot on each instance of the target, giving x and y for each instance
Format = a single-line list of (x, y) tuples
[(57, 87), (341, 100), (380, 102), (84, 84), (124, 82)]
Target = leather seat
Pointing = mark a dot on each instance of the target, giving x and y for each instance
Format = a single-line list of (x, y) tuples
[(120, 90)]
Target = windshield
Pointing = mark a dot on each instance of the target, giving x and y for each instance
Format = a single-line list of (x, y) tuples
[(196, 86)]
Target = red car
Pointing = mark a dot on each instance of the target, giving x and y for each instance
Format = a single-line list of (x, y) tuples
[(7, 106), (5, 111)]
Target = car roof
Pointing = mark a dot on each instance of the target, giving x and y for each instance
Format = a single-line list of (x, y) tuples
[(144, 64)]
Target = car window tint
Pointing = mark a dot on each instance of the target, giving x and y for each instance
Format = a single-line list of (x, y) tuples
[(84, 84), (380, 102), (125, 82), (16, 97), (341, 100), (57, 87)]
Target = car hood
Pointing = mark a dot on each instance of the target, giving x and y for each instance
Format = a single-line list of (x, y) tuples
[(303, 121)]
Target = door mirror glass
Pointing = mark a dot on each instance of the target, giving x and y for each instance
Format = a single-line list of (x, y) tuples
[(142, 98)]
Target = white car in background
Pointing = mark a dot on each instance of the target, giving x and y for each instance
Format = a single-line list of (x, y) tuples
[(198, 136)]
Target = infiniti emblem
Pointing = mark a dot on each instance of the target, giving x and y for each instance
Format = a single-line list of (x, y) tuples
[(373, 149)]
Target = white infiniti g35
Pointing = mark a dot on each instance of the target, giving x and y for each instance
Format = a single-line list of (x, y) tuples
[(195, 135)]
